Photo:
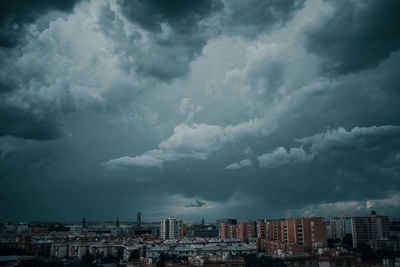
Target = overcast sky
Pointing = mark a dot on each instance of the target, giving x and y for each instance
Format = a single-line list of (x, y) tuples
[(204, 108)]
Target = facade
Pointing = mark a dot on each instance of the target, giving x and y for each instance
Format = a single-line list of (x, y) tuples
[(368, 229), (307, 232), (202, 233), (200, 230), (76, 251), (337, 228), (227, 230), (171, 228), (244, 231), (206, 248)]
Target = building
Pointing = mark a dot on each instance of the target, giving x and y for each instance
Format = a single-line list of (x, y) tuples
[(244, 231), (201, 230), (307, 232), (203, 233), (368, 229), (227, 230), (337, 228), (139, 219), (171, 228), (261, 229)]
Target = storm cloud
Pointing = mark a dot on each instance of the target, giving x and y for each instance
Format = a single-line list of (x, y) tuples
[(356, 36), (247, 109), (15, 15)]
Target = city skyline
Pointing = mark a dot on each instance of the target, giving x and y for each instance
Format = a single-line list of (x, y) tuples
[(212, 108)]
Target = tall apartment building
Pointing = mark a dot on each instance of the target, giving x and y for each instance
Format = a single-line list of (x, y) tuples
[(261, 229), (171, 228), (227, 230), (337, 228), (366, 230), (243, 231), (306, 232)]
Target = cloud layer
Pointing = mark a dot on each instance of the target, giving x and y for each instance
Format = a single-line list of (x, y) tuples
[(215, 108)]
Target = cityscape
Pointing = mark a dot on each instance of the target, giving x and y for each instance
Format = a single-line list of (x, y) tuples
[(371, 240)]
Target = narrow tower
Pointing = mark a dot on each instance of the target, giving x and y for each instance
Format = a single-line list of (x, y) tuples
[(139, 219)]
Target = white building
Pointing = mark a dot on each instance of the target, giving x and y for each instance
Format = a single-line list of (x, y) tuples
[(171, 228)]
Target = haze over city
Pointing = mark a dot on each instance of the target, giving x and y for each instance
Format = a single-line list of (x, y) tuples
[(214, 108)]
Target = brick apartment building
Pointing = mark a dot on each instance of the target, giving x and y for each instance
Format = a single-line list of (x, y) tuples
[(243, 231), (306, 232)]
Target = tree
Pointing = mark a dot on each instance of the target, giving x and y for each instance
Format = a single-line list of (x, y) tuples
[(347, 241), (87, 259), (135, 255), (333, 242)]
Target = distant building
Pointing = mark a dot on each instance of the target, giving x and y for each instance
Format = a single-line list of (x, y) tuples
[(244, 231), (23, 228), (200, 230), (307, 232), (203, 233), (171, 228), (368, 229), (139, 219), (337, 228), (40, 230)]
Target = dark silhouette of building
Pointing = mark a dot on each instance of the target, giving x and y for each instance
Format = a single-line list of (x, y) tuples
[(139, 219)]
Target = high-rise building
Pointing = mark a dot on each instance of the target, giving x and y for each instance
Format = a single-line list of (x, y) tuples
[(337, 228), (306, 232), (227, 230), (366, 230), (243, 231), (171, 228), (139, 219), (261, 229)]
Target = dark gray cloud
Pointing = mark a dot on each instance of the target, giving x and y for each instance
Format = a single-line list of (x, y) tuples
[(260, 16), (162, 108), (15, 14), (178, 30), (197, 204), (356, 36), (181, 15), (43, 79), (24, 123)]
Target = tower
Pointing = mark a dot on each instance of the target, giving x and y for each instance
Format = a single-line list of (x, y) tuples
[(139, 219), (84, 222)]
